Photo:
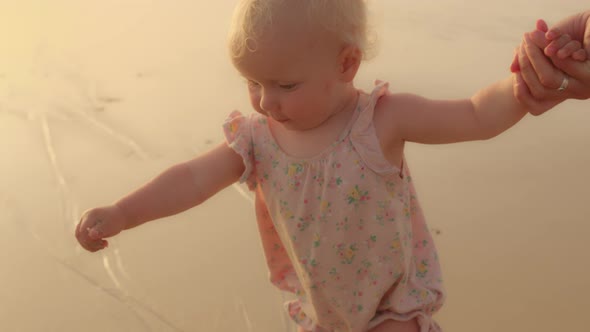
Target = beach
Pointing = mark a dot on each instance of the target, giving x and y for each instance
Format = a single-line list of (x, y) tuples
[(97, 98)]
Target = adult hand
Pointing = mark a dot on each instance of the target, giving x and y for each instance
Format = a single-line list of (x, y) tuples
[(539, 74), (538, 78)]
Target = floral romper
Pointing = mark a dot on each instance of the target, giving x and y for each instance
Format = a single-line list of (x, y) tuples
[(343, 231)]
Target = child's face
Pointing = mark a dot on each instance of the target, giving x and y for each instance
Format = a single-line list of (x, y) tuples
[(293, 77)]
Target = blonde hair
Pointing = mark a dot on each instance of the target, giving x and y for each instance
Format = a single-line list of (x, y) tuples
[(347, 19)]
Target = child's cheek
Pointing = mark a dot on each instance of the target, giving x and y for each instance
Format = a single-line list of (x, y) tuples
[(255, 99), (328, 87)]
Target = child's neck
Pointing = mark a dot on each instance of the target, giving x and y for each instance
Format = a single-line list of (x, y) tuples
[(344, 109), (348, 101)]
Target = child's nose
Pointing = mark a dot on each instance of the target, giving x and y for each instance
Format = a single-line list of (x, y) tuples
[(268, 101)]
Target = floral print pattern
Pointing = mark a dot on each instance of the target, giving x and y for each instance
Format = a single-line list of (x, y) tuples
[(343, 231)]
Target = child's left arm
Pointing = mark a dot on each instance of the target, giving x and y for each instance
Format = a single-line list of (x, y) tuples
[(488, 113)]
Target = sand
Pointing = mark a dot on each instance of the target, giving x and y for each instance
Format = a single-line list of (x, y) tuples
[(98, 97)]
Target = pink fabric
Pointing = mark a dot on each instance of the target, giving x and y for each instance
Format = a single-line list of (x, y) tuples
[(343, 231)]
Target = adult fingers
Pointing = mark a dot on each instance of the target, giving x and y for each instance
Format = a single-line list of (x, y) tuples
[(542, 78), (525, 98), (532, 63), (578, 27), (579, 72), (550, 77)]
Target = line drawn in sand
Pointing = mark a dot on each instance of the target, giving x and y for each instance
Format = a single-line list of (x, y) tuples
[(36, 97)]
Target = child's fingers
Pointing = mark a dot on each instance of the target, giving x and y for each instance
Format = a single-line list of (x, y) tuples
[(82, 235), (90, 232), (78, 233), (557, 44), (86, 242), (569, 48), (514, 65), (95, 233), (95, 246)]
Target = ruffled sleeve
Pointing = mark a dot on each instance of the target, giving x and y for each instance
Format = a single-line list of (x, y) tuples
[(238, 134), (364, 136)]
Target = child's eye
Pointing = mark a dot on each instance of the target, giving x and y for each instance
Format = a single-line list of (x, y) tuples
[(252, 84), (288, 86)]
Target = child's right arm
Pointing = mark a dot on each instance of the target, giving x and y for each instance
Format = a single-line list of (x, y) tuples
[(177, 189)]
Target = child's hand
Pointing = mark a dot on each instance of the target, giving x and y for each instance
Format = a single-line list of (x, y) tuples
[(98, 224)]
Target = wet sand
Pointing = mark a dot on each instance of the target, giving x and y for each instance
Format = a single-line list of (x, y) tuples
[(97, 98)]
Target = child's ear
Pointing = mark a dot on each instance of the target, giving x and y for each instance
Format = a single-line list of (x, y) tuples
[(349, 62)]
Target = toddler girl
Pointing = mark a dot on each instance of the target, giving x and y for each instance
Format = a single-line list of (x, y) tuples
[(338, 215)]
